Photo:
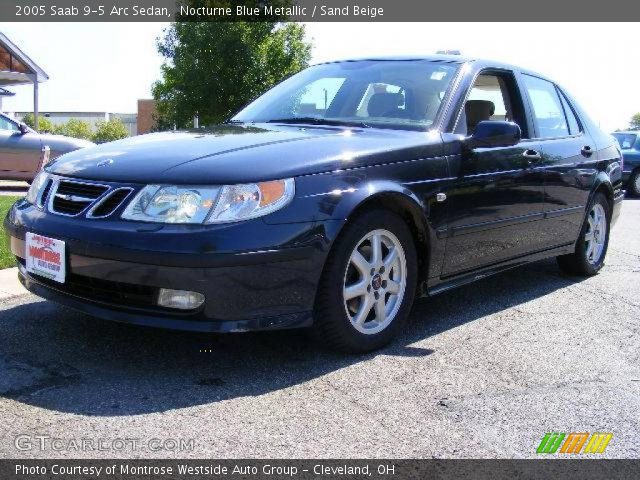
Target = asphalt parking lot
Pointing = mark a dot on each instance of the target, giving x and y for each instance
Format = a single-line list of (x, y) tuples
[(483, 371)]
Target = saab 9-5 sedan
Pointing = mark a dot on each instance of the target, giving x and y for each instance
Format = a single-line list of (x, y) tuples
[(331, 202)]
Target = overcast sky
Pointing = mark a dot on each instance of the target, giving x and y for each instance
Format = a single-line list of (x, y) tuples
[(108, 66)]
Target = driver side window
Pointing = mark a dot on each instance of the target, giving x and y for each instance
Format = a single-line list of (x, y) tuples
[(494, 96)]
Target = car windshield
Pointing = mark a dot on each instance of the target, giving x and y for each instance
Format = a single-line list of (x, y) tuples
[(387, 94), (626, 140)]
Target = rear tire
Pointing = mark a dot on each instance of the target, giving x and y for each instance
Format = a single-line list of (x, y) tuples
[(634, 184), (368, 284), (593, 242)]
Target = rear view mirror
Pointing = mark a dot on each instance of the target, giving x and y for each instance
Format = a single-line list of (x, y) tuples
[(491, 133), (23, 129)]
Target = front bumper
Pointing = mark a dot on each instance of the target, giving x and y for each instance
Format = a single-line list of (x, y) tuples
[(268, 280)]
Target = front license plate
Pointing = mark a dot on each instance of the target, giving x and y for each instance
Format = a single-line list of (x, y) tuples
[(45, 257)]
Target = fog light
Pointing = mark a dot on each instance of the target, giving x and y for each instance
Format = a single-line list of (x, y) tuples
[(180, 299)]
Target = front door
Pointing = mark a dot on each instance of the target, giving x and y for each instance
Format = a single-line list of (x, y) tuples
[(495, 202)]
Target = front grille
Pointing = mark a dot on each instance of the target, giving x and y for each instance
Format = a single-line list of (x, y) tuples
[(88, 190), (110, 203), (95, 289), (72, 198)]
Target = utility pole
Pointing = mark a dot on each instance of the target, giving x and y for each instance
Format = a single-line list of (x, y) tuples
[(35, 102)]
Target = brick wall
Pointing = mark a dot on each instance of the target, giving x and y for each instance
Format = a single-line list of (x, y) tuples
[(146, 112)]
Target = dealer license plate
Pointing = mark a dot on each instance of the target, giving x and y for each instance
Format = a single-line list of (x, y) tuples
[(45, 257)]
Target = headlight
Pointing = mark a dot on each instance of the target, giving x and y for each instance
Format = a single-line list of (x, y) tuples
[(195, 204), (171, 204), (241, 202), (36, 187)]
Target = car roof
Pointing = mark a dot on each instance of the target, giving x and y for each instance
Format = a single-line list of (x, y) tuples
[(389, 58), (439, 58)]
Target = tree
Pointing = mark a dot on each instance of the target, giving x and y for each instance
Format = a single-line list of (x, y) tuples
[(634, 123), (44, 124), (75, 128), (212, 69), (109, 131)]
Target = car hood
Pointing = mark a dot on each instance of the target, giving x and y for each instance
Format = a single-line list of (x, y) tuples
[(230, 154)]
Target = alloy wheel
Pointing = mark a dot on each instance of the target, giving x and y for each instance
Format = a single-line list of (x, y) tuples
[(375, 281), (596, 235)]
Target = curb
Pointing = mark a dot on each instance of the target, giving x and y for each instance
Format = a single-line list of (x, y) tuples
[(10, 286)]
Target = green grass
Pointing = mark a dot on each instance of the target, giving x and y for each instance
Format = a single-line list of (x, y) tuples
[(6, 258)]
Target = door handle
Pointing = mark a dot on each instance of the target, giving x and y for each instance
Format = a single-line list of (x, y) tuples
[(532, 156), (586, 151)]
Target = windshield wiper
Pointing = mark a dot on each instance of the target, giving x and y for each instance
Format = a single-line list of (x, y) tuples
[(320, 121)]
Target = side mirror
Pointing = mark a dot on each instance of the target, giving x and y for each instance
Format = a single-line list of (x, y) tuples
[(23, 129), (490, 133)]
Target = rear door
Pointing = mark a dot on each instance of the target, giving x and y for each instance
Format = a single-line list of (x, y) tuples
[(495, 205), (20, 154), (569, 159)]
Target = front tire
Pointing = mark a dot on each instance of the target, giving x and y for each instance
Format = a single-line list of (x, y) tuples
[(593, 242), (368, 284)]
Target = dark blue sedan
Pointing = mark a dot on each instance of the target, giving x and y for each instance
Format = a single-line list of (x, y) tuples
[(630, 145), (331, 202)]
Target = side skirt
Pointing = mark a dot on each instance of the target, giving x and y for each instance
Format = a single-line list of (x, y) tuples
[(442, 285)]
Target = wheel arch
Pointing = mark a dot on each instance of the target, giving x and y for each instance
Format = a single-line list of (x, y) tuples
[(401, 202), (603, 185)]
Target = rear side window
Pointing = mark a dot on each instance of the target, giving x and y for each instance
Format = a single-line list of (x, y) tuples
[(547, 108), (574, 126)]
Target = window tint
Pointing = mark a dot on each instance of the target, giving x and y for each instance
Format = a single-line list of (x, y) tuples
[(547, 108), (6, 124), (574, 126)]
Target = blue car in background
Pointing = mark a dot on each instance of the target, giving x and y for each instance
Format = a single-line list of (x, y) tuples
[(630, 145)]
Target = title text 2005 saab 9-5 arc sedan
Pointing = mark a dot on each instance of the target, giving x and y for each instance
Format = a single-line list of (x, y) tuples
[(331, 201)]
